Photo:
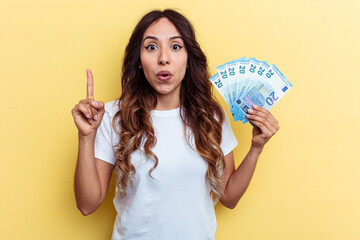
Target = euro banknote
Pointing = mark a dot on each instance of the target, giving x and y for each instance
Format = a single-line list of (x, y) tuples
[(246, 82)]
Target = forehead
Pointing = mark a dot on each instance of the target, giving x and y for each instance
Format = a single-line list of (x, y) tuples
[(162, 28)]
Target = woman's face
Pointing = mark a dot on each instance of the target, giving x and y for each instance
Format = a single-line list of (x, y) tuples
[(163, 58)]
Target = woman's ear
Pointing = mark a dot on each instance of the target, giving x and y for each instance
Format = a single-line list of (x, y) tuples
[(140, 66)]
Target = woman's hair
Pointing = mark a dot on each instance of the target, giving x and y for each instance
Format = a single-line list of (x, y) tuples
[(199, 110)]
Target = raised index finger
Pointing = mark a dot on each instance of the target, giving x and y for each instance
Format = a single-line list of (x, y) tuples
[(90, 84)]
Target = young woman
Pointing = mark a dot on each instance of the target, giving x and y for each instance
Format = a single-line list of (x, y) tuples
[(167, 138)]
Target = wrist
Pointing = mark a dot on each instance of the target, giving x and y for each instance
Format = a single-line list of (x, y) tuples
[(90, 137), (256, 149)]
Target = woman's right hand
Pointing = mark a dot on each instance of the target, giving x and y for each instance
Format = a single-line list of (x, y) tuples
[(88, 113)]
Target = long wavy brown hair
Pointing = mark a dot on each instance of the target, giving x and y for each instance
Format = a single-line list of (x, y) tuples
[(199, 110)]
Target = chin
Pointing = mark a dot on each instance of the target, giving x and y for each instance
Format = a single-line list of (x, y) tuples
[(163, 92), (170, 89)]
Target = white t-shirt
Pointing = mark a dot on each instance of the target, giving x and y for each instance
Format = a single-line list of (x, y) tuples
[(177, 205)]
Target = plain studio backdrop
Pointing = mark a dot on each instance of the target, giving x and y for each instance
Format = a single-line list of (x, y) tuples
[(306, 185)]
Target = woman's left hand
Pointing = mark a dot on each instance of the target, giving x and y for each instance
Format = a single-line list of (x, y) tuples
[(265, 126)]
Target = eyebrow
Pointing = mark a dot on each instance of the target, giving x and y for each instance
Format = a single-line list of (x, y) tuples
[(155, 38)]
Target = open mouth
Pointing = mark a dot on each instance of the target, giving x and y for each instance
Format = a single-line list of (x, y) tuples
[(164, 75)]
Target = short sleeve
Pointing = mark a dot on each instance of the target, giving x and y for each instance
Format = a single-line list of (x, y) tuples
[(228, 142), (104, 140)]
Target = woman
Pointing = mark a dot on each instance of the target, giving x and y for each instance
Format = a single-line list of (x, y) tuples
[(167, 139)]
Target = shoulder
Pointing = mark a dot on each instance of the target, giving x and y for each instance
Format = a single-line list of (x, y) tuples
[(225, 117), (225, 122), (111, 108)]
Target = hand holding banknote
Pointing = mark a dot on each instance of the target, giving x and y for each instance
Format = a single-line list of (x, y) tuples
[(251, 88), (246, 82), (264, 126)]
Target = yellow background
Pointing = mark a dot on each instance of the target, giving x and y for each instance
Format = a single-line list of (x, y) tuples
[(306, 185)]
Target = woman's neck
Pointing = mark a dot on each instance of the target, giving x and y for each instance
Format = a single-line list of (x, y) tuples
[(167, 102)]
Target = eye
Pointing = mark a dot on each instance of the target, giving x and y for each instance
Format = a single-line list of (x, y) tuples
[(176, 47), (151, 47)]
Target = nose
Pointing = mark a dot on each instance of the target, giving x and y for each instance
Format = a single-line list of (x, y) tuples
[(164, 57)]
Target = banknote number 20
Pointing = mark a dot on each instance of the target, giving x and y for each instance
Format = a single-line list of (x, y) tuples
[(223, 74), (270, 100), (252, 68), (231, 71), (242, 69), (261, 71), (218, 83), (270, 73)]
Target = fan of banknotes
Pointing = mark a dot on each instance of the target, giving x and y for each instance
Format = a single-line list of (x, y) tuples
[(246, 82)]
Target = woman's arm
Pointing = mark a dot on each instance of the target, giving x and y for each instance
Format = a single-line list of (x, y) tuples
[(237, 181), (92, 176)]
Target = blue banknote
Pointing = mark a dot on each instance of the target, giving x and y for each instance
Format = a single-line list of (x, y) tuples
[(246, 82)]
